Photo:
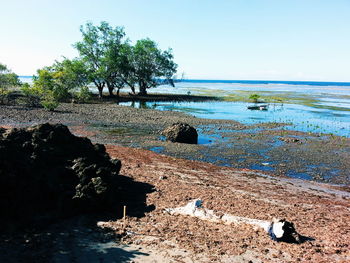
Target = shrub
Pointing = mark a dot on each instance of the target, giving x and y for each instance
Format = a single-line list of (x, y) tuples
[(36, 96), (254, 97), (50, 105), (3, 94), (7, 81), (49, 101), (32, 95), (83, 95)]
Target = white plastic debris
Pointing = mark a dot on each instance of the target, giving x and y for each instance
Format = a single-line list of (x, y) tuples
[(194, 208), (278, 229)]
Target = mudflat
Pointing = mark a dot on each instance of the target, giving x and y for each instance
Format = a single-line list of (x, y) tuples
[(215, 172), (265, 147)]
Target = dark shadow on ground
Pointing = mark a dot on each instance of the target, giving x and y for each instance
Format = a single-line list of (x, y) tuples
[(133, 195), (304, 239), (76, 240)]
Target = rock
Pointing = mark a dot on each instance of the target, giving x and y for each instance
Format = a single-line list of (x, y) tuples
[(46, 171), (290, 139), (181, 132)]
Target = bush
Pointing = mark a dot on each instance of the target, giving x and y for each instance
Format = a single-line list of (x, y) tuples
[(61, 93), (7, 81), (50, 105), (36, 96), (49, 101), (254, 97), (3, 94), (83, 95), (32, 95)]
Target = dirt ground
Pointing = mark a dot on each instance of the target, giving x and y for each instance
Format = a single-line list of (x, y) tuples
[(319, 211), (270, 147)]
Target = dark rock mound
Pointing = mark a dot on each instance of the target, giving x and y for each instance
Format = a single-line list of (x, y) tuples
[(47, 172), (181, 132)]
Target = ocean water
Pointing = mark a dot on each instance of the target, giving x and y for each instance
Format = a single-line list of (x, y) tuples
[(318, 107)]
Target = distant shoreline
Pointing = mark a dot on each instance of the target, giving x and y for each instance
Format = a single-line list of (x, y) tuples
[(286, 82)]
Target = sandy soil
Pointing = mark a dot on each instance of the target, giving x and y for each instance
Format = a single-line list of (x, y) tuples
[(319, 211)]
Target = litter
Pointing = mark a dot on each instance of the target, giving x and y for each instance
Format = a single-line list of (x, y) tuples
[(278, 229)]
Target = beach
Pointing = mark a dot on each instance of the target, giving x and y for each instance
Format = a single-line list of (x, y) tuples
[(267, 147), (211, 171), (319, 211)]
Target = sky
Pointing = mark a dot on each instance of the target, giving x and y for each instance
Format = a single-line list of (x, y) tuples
[(305, 40)]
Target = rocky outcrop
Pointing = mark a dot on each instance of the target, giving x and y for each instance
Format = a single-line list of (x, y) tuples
[(45, 171), (181, 132)]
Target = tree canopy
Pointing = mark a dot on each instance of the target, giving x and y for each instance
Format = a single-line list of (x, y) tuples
[(149, 64), (62, 77), (7, 77), (112, 61), (108, 59)]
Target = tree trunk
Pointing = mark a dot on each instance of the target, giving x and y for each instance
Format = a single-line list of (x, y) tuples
[(110, 90), (100, 89), (143, 88)]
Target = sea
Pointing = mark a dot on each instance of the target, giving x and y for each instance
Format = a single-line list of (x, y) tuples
[(309, 106)]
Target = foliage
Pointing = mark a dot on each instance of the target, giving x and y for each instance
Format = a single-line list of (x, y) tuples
[(8, 79), (150, 63), (36, 96), (60, 78), (32, 95), (107, 59), (49, 102), (83, 95), (111, 61), (100, 50), (254, 97)]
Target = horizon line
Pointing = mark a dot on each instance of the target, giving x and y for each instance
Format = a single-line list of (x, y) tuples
[(242, 80)]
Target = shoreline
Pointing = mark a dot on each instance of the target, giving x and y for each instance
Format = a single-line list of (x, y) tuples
[(262, 147), (318, 210)]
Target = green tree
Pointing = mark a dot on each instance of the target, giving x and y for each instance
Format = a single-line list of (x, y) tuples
[(111, 61), (101, 51), (8, 79), (61, 78), (150, 64), (70, 74)]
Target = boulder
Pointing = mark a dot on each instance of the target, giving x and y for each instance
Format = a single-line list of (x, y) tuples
[(47, 172), (181, 132)]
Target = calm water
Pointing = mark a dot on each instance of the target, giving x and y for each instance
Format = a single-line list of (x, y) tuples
[(322, 107), (329, 112)]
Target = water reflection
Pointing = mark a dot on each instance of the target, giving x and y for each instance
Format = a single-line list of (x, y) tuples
[(298, 117)]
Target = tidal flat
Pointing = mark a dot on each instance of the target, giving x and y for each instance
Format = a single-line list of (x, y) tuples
[(266, 147)]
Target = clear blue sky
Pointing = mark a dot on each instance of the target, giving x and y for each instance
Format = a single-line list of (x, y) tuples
[(243, 39)]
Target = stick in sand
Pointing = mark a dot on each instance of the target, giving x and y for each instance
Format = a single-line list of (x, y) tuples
[(124, 214)]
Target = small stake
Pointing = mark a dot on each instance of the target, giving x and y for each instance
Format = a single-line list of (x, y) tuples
[(124, 215), (124, 212)]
